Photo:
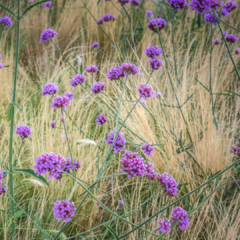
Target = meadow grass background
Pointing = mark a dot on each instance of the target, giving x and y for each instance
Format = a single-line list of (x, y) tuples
[(218, 218)]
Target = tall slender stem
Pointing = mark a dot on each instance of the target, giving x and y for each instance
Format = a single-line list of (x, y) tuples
[(12, 123), (124, 37)]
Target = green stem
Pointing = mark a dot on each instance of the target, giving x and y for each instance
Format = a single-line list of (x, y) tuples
[(124, 37)]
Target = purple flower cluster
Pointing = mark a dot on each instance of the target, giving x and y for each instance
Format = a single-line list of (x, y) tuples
[(210, 17), (152, 51), (108, 17), (1, 65), (129, 69), (119, 143), (101, 119), (169, 183), (23, 130), (100, 21), (48, 4), (46, 34), (31, 1), (231, 38), (91, 69), (136, 3), (237, 51), (150, 172), (145, 91), (69, 95), (155, 63), (228, 7), (133, 164), (49, 89), (164, 225), (124, 1), (180, 215), (204, 6), (6, 21), (53, 124), (149, 14), (78, 80), (121, 202), (0, 57), (64, 210), (156, 23), (60, 102), (159, 94), (216, 41), (98, 87), (2, 175), (178, 4), (235, 149), (95, 44), (54, 165), (148, 149), (3, 188), (115, 73)]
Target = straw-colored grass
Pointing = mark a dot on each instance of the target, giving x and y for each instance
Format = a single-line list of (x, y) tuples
[(41, 63)]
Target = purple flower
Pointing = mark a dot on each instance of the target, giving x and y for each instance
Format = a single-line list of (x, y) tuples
[(169, 183), (156, 23), (31, 1), (100, 120), (150, 172), (136, 3), (0, 57), (2, 175), (202, 6), (23, 130), (149, 14), (164, 225), (46, 34), (60, 102), (62, 119), (53, 124), (230, 6), (98, 87), (178, 4), (224, 12), (216, 41), (48, 4), (64, 210), (91, 69), (159, 94), (148, 149), (115, 73), (129, 68), (231, 38), (155, 63), (121, 202), (235, 149), (119, 143), (69, 95), (67, 165), (133, 164), (237, 51), (123, 2), (1, 65), (108, 17), (100, 21), (95, 45), (78, 79), (215, 4), (6, 21), (145, 91), (152, 51), (181, 216), (211, 18), (49, 89), (3, 188), (225, 34)]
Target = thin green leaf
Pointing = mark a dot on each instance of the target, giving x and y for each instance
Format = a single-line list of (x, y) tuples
[(3, 117), (8, 10), (32, 173), (202, 85), (37, 220), (98, 2), (233, 93), (32, 7), (18, 106), (112, 232), (9, 112)]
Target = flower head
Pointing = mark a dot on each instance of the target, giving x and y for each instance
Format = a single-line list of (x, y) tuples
[(235, 149), (49, 89), (145, 91), (3, 188), (149, 14), (164, 225), (60, 102), (152, 51), (46, 34), (31, 1), (123, 2), (2, 175), (178, 4), (129, 68), (224, 12), (181, 216), (169, 183), (115, 73), (155, 63), (48, 4), (119, 143), (0, 57), (216, 41), (136, 3), (225, 34), (237, 51), (150, 172), (6, 21), (98, 87), (52, 124), (78, 80), (91, 69), (231, 38), (148, 149), (156, 23), (210, 17), (64, 210), (101, 119), (204, 6), (23, 130), (95, 44), (69, 95), (1, 65), (121, 202), (108, 17), (133, 164), (100, 21), (230, 6), (68, 165), (159, 94)]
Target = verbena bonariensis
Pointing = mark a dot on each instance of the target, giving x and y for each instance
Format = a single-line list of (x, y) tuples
[(52, 124), (46, 34), (69, 95), (98, 87), (164, 225), (91, 69), (108, 17), (156, 23), (212, 18), (152, 51), (23, 130), (231, 38), (204, 6), (78, 80), (6, 21), (237, 51), (101, 119), (168, 183), (155, 63), (178, 4), (119, 143), (48, 4), (115, 73), (216, 41), (49, 89), (64, 210), (129, 68), (235, 149), (95, 44), (149, 14), (181, 216), (136, 3), (228, 7), (150, 172), (60, 102), (159, 94), (148, 148)]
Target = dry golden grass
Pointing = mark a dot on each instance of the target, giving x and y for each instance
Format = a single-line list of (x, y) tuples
[(41, 63)]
